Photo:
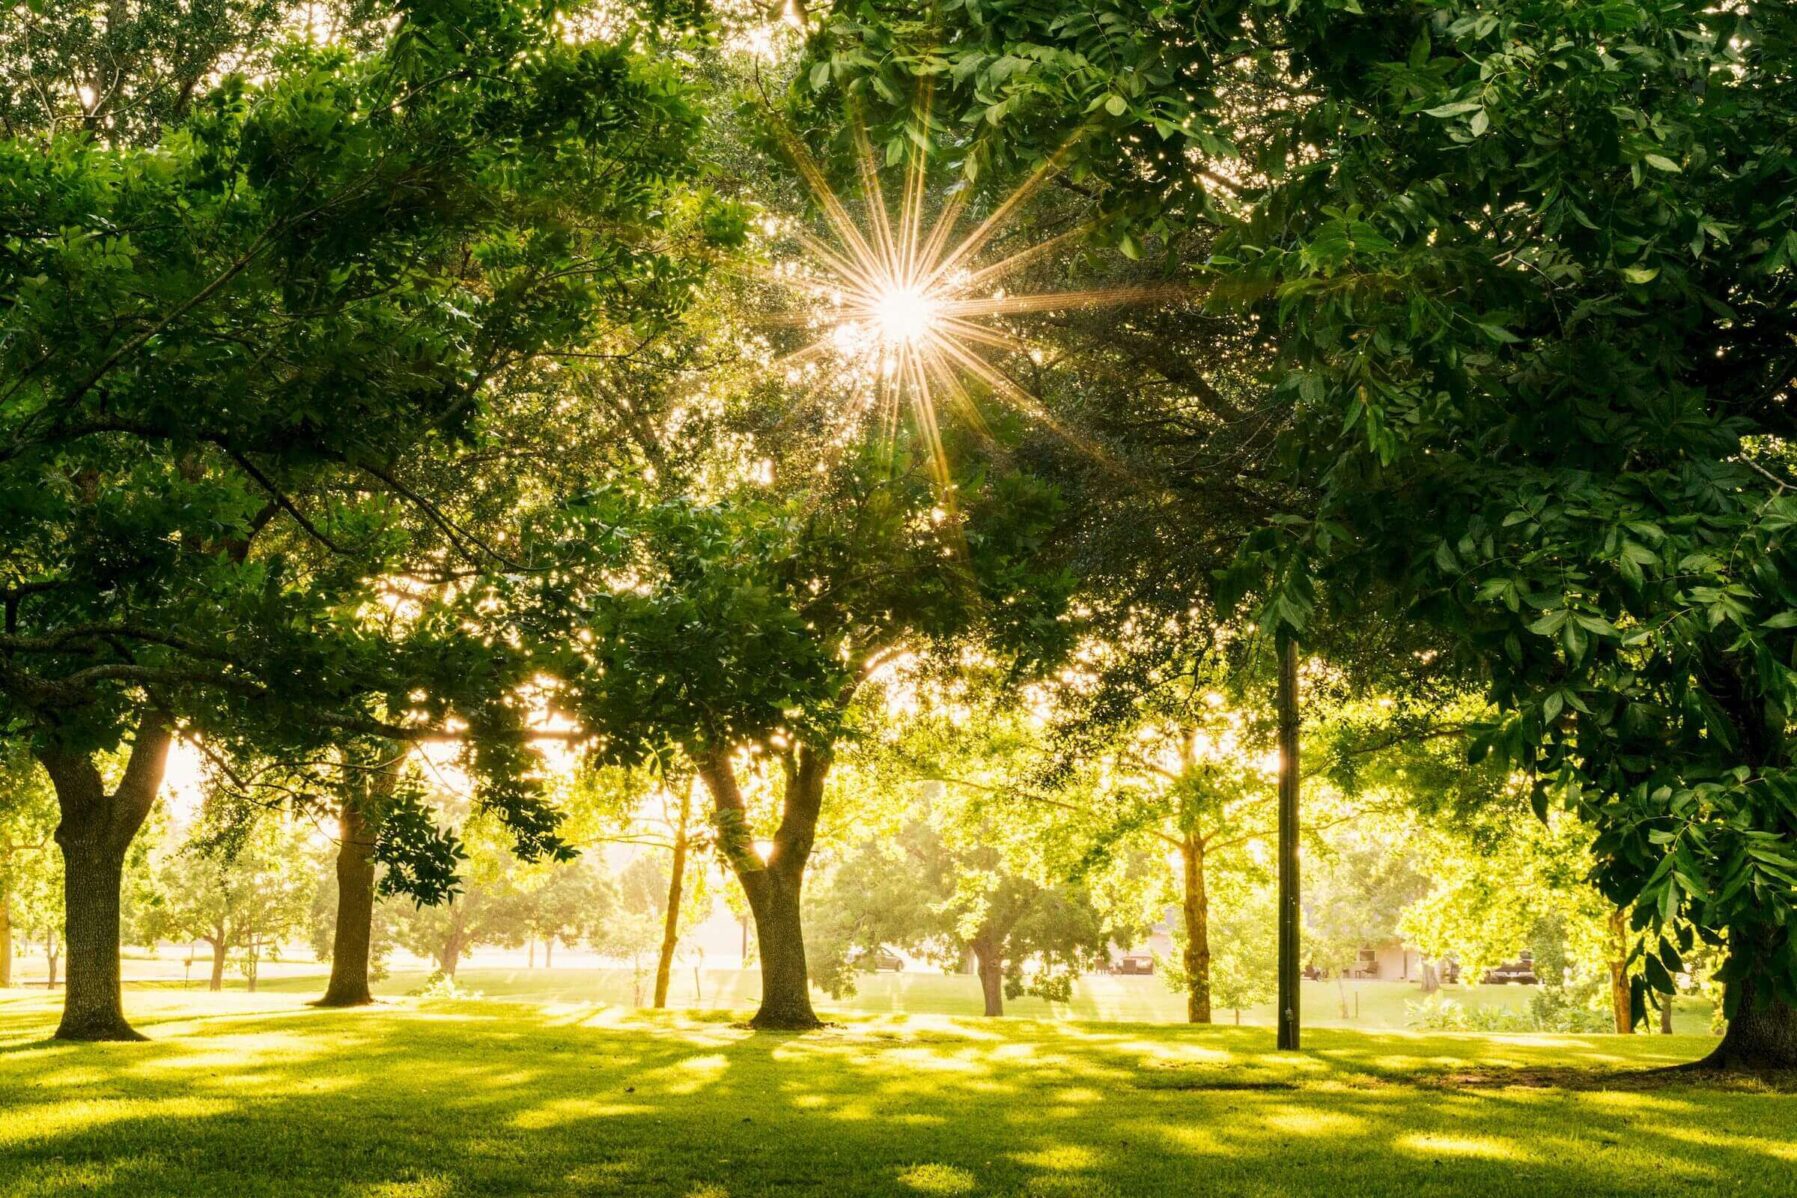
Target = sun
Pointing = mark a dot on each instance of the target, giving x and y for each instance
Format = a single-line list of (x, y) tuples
[(907, 304), (904, 315)]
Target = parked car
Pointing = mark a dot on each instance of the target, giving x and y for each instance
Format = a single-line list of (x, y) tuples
[(879, 961), (1520, 971), (1134, 963)]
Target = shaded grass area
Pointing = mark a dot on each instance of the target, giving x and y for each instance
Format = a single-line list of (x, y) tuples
[(258, 1095)]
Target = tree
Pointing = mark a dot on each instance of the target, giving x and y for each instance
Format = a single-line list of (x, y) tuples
[(206, 459), (1195, 780), (1360, 888), (1494, 890), (122, 73), (360, 815), (637, 926), (1527, 304), (239, 884), (762, 618), (946, 899), (27, 823), (564, 901), (652, 809), (1244, 933)]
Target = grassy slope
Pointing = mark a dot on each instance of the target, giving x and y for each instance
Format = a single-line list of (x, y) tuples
[(256, 1095)]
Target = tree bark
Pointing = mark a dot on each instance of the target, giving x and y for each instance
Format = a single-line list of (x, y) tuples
[(1197, 914), (50, 960), (548, 952), (1622, 1011), (94, 832), (1290, 910), (1665, 1014), (1761, 1037), (670, 931), (773, 887), (991, 968), (352, 941), (5, 938), (217, 981)]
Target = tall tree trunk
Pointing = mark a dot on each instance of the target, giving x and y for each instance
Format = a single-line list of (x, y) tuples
[(450, 955), (1665, 1014), (991, 967), (94, 833), (773, 887), (530, 961), (217, 981), (1621, 1009), (352, 941), (1763, 1033), (1197, 913), (548, 952), (5, 937), (1290, 910), (670, 929), (785, 975), (51, 957)]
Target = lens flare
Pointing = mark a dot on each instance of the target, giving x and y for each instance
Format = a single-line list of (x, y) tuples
[(904, 315), (906, 304)]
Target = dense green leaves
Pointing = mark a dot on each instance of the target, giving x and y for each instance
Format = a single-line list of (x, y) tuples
[(1525, 271)]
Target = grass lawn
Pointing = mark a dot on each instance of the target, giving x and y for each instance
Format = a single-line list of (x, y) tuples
[(1370, 1005), (259, 1095)]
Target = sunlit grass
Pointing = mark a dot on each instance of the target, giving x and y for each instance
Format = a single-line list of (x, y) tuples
[(254, 1095), (1372, 1005)]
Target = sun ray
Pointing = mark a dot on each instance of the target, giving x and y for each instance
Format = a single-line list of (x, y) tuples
[(872, 191), (911, 211), (1023, 257), (983, 232), (1061, 301), (899, 306)]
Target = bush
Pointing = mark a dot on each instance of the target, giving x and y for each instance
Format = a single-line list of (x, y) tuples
[(1551, 1009), (439, 986)]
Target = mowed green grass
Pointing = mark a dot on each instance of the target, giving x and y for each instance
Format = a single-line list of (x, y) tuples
[(1376, 1005), (259, 1095)]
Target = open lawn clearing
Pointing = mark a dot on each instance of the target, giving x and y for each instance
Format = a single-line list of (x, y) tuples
[(1371, 1004), (254, 1095)]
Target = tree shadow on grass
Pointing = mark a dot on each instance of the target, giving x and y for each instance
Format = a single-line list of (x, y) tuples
[(463, 1100)]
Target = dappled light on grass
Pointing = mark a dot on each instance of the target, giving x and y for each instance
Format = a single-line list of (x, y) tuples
[(1484, 1147), (490, 1098)]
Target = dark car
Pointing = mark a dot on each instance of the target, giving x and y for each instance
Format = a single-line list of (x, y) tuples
[(1133, 963), (1520, 971)]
